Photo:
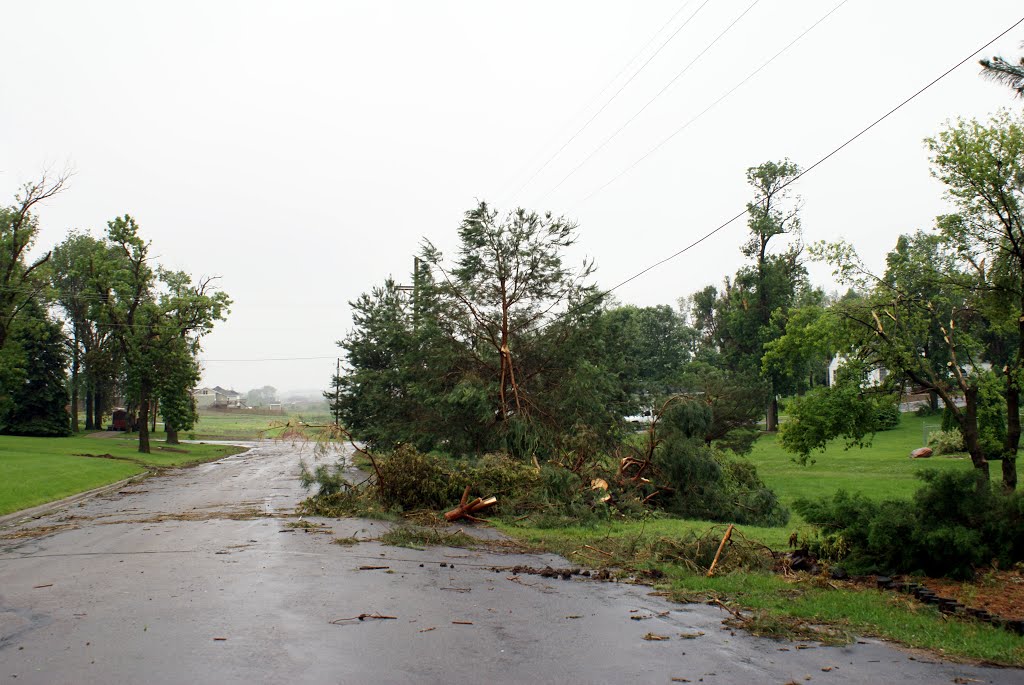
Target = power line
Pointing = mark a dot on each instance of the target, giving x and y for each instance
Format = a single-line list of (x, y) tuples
[(608, 85), (714, 104), (800, 175), (649, 102), (609, 101)]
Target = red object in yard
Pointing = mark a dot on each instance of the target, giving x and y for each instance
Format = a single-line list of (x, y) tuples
[(119, 420)]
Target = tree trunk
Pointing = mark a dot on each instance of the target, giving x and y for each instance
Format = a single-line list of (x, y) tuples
[(144, 419), (89, 423), (172, 435), (156, 410), (97, 397), (1012, 433), (968, 420), (933, 400), (771, 423), (74, 384)]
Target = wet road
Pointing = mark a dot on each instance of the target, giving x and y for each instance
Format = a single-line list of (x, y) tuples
[(194, 576)]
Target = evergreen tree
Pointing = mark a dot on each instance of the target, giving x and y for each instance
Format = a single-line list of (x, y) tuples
[(36, 378)]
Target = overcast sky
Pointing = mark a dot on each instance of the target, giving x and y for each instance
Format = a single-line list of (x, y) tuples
[(302, 150)]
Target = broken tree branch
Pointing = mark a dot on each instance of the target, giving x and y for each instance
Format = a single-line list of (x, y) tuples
[(721, 546)]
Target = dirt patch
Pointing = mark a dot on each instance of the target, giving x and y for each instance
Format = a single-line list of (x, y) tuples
[(206, 515), (999, 592), (131, 460), (37, 532)]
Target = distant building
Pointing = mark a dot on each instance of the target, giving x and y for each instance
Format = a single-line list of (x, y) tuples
[(873, 378), (204, 397), (217, 397)]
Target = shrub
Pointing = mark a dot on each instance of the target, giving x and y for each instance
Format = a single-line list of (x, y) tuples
[(950, 528), (709, 484), (887, 416), (946, 441)]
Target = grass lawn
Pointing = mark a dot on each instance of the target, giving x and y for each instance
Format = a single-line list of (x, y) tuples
[(39, 470), (881, 471), (237, 426)]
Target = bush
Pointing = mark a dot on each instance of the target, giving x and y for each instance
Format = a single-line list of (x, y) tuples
[(946, 441), (709, 484), (411, 480), (949, 528), (887, 417)]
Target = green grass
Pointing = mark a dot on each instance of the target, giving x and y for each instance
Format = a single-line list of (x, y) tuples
[(39, 470), (237, 426), (881, 471)]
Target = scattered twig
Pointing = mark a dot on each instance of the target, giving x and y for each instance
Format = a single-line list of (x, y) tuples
[(427, 630), (361, 617), (458, 589), (220, 639), (599, 551), (463, 623), (655, 637), (734, 612), (373, 568), (37, 587)]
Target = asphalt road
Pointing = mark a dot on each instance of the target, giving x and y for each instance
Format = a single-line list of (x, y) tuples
[(194, 577)]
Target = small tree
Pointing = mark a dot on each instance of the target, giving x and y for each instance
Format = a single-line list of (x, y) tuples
[(36, 386)]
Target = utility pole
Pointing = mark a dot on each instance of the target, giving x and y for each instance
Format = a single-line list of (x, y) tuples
[(337, 392), (415, 290)]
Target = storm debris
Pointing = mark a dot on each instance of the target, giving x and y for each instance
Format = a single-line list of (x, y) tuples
[(466, 509), (361, 617), (654, 637)]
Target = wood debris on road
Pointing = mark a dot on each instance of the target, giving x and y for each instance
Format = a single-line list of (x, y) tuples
[(361, 617)]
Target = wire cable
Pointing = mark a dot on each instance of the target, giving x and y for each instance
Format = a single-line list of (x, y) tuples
[(707, 109), (651, 101), (609, 101), (608, 85), (793, 180)]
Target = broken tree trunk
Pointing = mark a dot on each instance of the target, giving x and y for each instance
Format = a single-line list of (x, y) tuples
[(721, 545), (466, 509)]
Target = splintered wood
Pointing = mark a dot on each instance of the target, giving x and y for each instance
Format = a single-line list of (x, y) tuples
[(466, 509), (725, 539)]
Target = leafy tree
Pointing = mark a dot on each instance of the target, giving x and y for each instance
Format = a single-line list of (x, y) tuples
[(737, 322), (891, 328), (648, 347), (36, 386), (518, 330), (72, 270), (500, 348), (982, 167), (373, 397), (508, 280), (158, 318), (735, 402)]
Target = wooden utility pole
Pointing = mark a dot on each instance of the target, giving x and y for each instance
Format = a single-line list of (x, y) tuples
[(337, 391)]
